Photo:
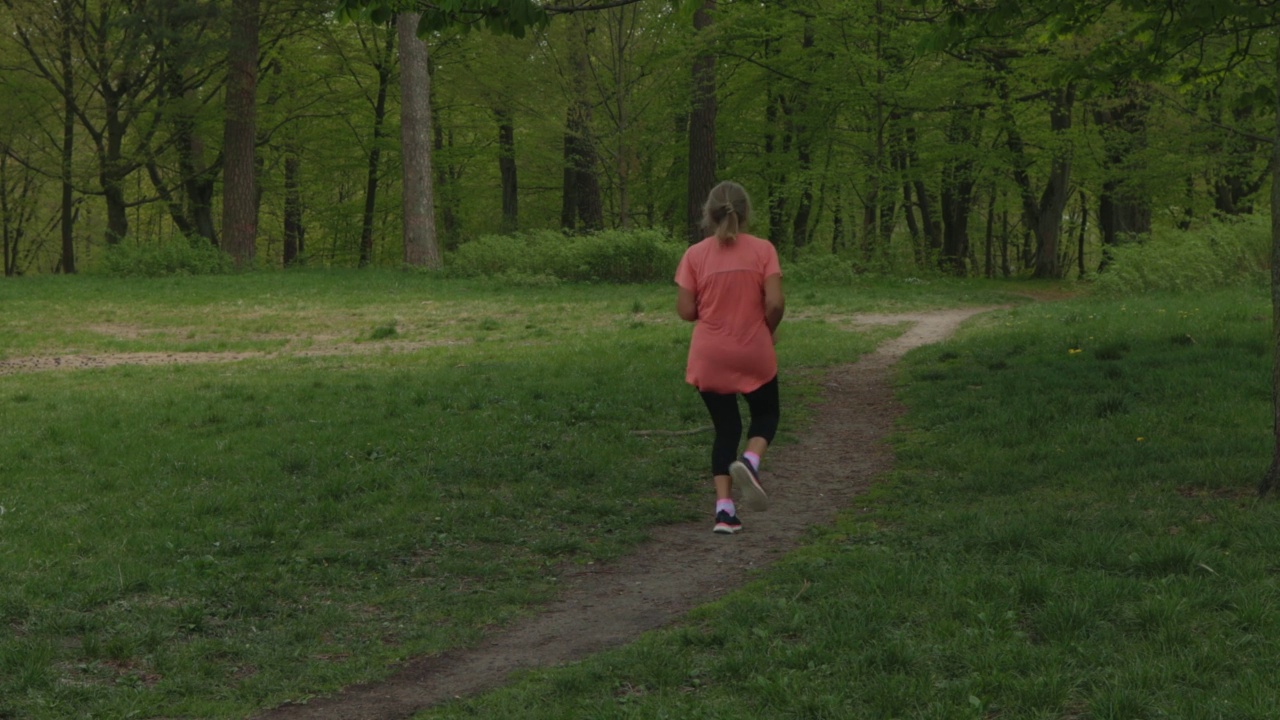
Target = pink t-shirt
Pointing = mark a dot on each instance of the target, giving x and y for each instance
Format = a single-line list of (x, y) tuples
[(731, 350)]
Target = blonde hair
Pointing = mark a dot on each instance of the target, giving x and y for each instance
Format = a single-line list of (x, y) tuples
[(726, 212)]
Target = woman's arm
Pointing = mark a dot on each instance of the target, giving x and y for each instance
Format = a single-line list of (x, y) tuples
[(775, 305), (686, 304)]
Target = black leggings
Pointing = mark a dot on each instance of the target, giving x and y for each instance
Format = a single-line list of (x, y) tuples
[(763, 404)]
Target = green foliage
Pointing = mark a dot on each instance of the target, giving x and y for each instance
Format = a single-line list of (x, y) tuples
[(1222, 253), (546, 256), (820, 270), (509, 17), (179, 255)]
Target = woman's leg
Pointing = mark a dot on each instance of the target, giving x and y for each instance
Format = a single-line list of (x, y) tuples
[(765, 414), (763, 403), (728, 427)]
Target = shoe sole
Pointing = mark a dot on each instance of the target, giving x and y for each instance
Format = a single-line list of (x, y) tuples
[(753, 495), (726, 529)]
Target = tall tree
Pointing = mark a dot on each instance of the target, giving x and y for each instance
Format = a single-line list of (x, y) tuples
[(240, 194), (382, 55), (507, 168), (512, 17), (114, 46), (188, 37), (420, 245), (702, 123), (582, 208), (1170, 40), (1123, 208), (66, 21)]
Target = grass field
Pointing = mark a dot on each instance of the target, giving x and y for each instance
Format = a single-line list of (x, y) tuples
[(401, 462), (1071, 532)]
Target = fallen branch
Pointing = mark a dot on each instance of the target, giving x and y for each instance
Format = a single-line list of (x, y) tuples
[(694, 431)]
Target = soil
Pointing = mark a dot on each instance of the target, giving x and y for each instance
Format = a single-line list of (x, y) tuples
[(604, 606)]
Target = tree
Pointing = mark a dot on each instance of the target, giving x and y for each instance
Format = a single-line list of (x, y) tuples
[(702, 124), (582, 208), (507, 168), (510, 17), (240, 195), (115, 48), (1168, 42), (1123, 209), (420, 247), (381, 56)]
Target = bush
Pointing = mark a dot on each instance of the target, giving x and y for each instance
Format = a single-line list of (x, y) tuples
[(545, 256), (179, 255), (821, 269), (1222, 253)]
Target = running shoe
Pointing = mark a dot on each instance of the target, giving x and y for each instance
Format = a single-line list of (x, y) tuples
[(726, 524), (746, 477)]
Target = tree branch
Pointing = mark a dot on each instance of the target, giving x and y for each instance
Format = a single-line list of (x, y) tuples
[(569, 9)]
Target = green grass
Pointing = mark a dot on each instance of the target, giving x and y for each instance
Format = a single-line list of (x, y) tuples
[(205, 540), (1071, 532), (315, 309)]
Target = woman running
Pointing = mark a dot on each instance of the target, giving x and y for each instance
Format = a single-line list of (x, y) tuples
[(730, 286)]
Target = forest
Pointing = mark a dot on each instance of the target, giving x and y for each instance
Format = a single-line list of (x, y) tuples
[(339, 354), (987, 139)]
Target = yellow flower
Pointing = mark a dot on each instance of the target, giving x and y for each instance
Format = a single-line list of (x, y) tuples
[(1074, 351), (1142, 439)]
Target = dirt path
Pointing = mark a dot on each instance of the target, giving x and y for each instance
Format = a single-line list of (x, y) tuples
[(606, 606), (89, 361)]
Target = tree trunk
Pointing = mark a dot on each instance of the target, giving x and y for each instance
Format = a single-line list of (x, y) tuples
[(1083, 231), (117, 210), (6, 222), (420, 247), (930, 226), (375, 152), (448, 177), (507, 169), (624, 153), (774, 155), (804, 154), (1234, 180), (958, 181), (988, 265), (1273, 473), (957, 200), (68, 261), (1042, 219), (240, 194), (582, 208), (198, 180), (569, 185), (1056, 193), (294, 231), (1122, 210), (838, 240), (702, 125)]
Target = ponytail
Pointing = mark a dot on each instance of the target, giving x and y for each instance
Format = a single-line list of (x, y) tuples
[(726, 212)]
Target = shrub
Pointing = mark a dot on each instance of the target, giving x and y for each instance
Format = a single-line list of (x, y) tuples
[(1222, 253), (545, 256), (178, 255), (821, 269)]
